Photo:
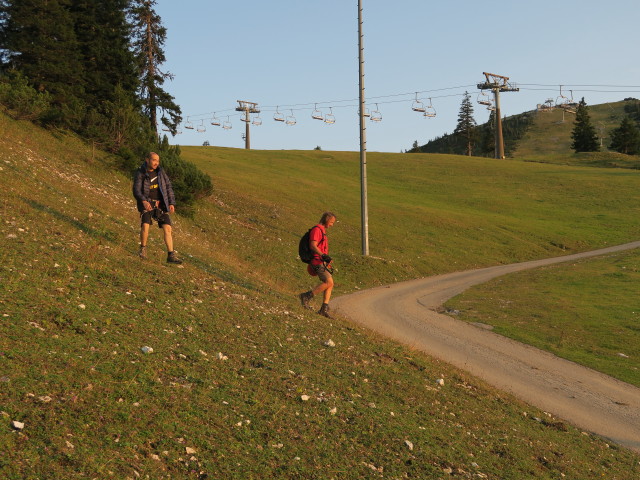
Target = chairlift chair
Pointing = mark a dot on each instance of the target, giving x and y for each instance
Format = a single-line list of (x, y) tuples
[(417, 105), (227, 125), (188, 125), (376, 116), (291, 120), (317, 114), (257, 120), (329, 117), (430, 112), (483, 99), (278, 117), (215, 121), (201, 128)]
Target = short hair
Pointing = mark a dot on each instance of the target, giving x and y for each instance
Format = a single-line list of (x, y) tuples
[(326, 216), (150, 154)]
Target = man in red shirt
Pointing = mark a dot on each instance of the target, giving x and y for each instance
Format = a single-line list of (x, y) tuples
[(320, 265)]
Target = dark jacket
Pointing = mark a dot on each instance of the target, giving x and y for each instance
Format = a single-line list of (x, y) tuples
[(142, 182)]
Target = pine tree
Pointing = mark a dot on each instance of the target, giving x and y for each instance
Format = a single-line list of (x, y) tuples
[(466, 128), (626, 138), (148, 39), (38, 41), (585, 138)]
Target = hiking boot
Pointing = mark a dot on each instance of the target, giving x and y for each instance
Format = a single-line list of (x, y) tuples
[(172, 257), (305, 298), (324, 311), (143, 252)]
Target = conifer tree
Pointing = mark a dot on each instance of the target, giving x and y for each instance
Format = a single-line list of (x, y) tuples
[(585, 138), (38, 40), (466, 128), (626, 138), (149, 36)]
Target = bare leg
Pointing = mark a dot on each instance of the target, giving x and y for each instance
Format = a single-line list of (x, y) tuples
[(168, 238)]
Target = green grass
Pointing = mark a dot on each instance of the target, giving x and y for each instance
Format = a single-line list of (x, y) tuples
[(77, 305), (586, 312)]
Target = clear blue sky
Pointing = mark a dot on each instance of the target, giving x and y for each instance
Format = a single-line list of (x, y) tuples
[(292, 54)]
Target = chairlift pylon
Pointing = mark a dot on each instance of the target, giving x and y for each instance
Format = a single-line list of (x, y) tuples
[(417, 105), (317, 114), (291, 120), (278, 117), (329, 117)]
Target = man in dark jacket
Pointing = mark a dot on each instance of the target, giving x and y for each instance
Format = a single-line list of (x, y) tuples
[(155, 200)]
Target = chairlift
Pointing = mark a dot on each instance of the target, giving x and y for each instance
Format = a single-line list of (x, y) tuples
[(317, 114), (227, 125), (188, 125), (329, 117), (215, 121), (278, 117), (376, 116), (291, 120), (483, 99), (257, 120), (418, 106), (201, 128), (561, 100), (429, 111)]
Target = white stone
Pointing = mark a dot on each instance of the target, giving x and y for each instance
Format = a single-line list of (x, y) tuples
[(440, 381), (408, 444), (329, 343), (17, 425), (305, 398), (146, 349)]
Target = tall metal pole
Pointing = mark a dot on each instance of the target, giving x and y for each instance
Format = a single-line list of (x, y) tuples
[(499, 138), (247, 135), (363, 141)]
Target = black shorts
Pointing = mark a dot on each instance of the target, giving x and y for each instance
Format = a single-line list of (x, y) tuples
[(156, 214)]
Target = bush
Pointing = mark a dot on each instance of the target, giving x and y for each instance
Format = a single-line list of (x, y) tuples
[(22, 101)]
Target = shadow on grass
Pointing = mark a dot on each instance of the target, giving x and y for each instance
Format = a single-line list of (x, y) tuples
[(83, 227)]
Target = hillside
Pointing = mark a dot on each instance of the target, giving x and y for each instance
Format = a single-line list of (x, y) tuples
[(546, 137), (240, 383)]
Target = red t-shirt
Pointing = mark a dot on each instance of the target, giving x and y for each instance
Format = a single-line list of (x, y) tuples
[(319, 235)]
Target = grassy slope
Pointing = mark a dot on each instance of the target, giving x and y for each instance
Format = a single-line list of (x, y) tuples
[(548, 140), (77, 305)]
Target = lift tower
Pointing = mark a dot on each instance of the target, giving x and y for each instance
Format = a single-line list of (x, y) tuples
[(497, 84), (248, 108)]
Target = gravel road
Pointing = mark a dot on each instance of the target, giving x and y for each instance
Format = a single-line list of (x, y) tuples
[(406, 312)]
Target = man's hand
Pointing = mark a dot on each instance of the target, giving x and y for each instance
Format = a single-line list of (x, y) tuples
[(172, 208), (326, 258), (147, 206)]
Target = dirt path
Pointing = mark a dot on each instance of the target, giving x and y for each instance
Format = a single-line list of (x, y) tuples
[(406, 312)]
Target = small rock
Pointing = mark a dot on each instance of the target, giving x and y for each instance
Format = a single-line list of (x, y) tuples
[(82, 306), (333, 411), (17, 425), (189, 450), (305, 398), (623, 355), (329, 343), (146, 349), (220, 356), (409, 444), (440, 381)]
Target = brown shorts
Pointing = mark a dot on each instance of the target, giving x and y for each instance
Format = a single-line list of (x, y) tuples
[(323, 274)]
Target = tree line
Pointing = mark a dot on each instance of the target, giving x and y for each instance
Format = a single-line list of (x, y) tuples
[(95, 69)]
